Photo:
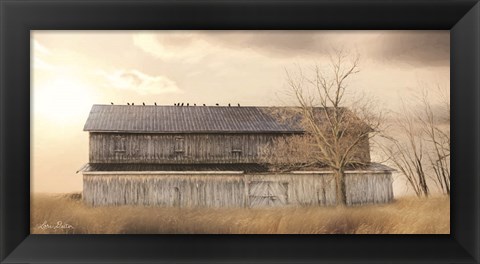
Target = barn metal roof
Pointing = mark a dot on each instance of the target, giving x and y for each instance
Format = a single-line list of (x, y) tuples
[(183, 119)]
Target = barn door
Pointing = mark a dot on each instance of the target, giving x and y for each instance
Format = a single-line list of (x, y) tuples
[(268, 193)]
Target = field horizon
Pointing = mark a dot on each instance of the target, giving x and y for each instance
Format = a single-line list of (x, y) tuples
[(67, 214)]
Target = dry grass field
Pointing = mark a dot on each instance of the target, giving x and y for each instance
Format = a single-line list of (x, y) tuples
[(404, 216)]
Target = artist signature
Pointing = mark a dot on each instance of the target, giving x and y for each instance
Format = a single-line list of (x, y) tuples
[(58, 225)]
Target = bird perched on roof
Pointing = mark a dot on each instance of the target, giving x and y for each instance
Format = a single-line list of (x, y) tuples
[(111, 103), (128, 103), (155, 103), (143, 103), (203, 104), (238, 105), (133, 103), (188, 104), (182, 104), (194, 104), (228, 104), (216, 104)]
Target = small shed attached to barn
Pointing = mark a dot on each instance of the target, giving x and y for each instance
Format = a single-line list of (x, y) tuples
[(208, 156)]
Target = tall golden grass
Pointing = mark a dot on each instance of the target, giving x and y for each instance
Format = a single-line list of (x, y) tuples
[(403, 216)]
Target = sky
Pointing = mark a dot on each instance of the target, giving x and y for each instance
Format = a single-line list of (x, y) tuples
[(72, 70)]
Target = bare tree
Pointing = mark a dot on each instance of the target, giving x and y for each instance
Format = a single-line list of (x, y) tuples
[(288, 153), (335, 136), (422, 151), (437, 134), (407, 152)]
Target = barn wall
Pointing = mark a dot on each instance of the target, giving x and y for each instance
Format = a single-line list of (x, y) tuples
[(178, 190), (187, 148), (174, 148), (365, 189), (236, 190), (361, 152)]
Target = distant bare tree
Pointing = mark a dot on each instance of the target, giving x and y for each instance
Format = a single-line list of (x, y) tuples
[(407, 153), (423, 150), (436, 126), (335, 135)]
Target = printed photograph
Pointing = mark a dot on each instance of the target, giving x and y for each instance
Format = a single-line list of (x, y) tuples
[(240, 132)]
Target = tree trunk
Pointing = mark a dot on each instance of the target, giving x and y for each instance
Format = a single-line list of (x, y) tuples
[(341, 191)]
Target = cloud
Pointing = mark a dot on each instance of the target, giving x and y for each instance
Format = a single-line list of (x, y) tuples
[(419, 48), (42, 65), (142, 83), (40, 57), (179, 45), (272, 43), (37, 47), (193, 46)]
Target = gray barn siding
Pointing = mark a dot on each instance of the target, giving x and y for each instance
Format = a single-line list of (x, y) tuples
[(149, 190), (366, 189), (203, 190), (196, 148), (162, 148), (361, 152)]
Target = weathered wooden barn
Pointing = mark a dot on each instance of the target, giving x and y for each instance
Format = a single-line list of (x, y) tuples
[(207, 156)]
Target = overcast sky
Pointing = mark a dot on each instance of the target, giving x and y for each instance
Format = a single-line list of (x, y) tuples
[(72, 70)]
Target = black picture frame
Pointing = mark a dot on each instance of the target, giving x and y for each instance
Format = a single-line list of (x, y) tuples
[(18, 17)]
